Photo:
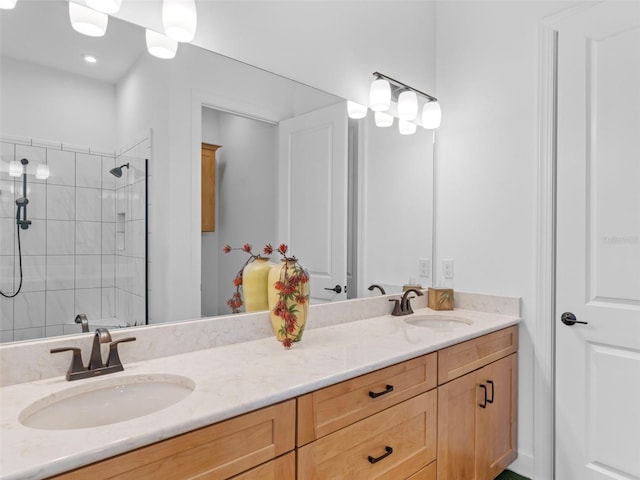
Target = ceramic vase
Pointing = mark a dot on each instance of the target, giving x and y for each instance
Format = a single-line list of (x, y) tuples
[(254, 284), (293, 305)]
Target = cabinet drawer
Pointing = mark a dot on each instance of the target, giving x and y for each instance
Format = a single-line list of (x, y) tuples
[(282, 468), (327, 410), (219, 451), (427, 473), (465, 357), (408, 429)]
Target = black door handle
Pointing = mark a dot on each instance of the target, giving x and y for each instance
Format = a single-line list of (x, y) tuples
[(569, 319), (490, 400), (388, 451), (337, 289)]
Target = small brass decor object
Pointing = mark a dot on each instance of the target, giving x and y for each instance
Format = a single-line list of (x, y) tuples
[(440, 298)]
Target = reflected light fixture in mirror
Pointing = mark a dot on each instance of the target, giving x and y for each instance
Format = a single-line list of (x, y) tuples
[(431, 115), (15, 169), (88, 21), (105, 6), (355, 110), (405, 127), (7, 4), (180, 19), (160, 45), (383, 119), (407, 105), (42, 172)]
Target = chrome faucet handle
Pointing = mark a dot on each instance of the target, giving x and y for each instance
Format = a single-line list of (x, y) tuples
[(102, 335), (76, 360), (114, 359)]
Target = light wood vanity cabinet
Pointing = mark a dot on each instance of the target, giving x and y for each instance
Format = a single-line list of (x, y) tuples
[(379, 425), (457, 405), (477, 407), (220, 451)]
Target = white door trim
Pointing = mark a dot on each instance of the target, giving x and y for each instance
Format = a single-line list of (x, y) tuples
[(544, 310)]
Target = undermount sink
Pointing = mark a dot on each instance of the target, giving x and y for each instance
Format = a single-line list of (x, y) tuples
[(105, 402), (439, 322)]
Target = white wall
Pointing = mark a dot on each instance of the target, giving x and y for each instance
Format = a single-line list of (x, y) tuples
[(245, 200), (487, 58), (48, 104)]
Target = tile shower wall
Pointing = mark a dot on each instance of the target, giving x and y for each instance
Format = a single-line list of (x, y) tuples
[(70, 261)]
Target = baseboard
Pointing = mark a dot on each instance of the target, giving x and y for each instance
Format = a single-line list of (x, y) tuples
[(523, 465)]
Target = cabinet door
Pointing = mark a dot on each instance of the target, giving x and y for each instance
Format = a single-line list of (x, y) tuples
[(457, 410), (477, 432), (497, 446)]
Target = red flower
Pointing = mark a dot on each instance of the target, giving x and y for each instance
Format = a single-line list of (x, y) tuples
[(278, 286), (227, 248), (287, 343), (237, 281), (283, 248), (247, 248), (301, 299), (304, 278), (268, 249)]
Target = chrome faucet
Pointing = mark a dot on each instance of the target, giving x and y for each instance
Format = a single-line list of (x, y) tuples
[(81, 318), (96, 367), (402, 306)]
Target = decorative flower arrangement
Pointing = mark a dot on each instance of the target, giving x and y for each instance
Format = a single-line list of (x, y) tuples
[(235, 302), (290, 303), (287, 285)]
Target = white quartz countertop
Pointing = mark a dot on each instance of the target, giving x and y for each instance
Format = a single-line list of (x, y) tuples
[(229, 380)]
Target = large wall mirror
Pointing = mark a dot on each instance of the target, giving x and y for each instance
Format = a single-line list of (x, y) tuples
[(124, 249)]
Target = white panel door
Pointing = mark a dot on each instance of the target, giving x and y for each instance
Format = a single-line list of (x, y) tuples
[(312, 197), (598, 244)]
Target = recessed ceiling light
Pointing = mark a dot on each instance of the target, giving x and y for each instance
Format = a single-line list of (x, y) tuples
[(89, 58)]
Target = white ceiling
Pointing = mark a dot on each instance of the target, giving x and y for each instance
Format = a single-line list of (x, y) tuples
[(39, 31)]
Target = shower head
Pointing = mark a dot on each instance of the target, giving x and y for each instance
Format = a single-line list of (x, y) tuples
[(117, 172)]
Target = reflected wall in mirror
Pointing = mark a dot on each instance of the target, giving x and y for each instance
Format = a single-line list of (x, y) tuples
[(200, 97)]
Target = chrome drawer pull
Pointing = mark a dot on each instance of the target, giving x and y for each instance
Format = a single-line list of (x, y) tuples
[(389, 451), (388, 389)]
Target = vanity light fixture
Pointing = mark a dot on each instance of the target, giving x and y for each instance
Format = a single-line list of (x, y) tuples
[(105, 6), (380, 95), (42, 171), (89, 58), (355, 110), (15, 168), (160, 45), (383, 119), (87, 21), (180, 19), (407, 98), (7, 4), (431, 115), (407, 105)]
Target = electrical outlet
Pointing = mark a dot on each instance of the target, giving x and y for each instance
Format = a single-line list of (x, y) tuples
[(447, 268), (424, 267)]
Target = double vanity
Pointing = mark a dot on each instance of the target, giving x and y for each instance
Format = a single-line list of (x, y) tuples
[(363, 395)]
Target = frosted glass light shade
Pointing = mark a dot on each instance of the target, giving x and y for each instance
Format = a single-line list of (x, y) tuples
[(15, 168), (383, 119), (105, 6), (355, 110), (7, 4), (380, 95), (431, 115), (87, 21), (160, 45), (408, 105), (42, 172), (180, 19), (406, 127)]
